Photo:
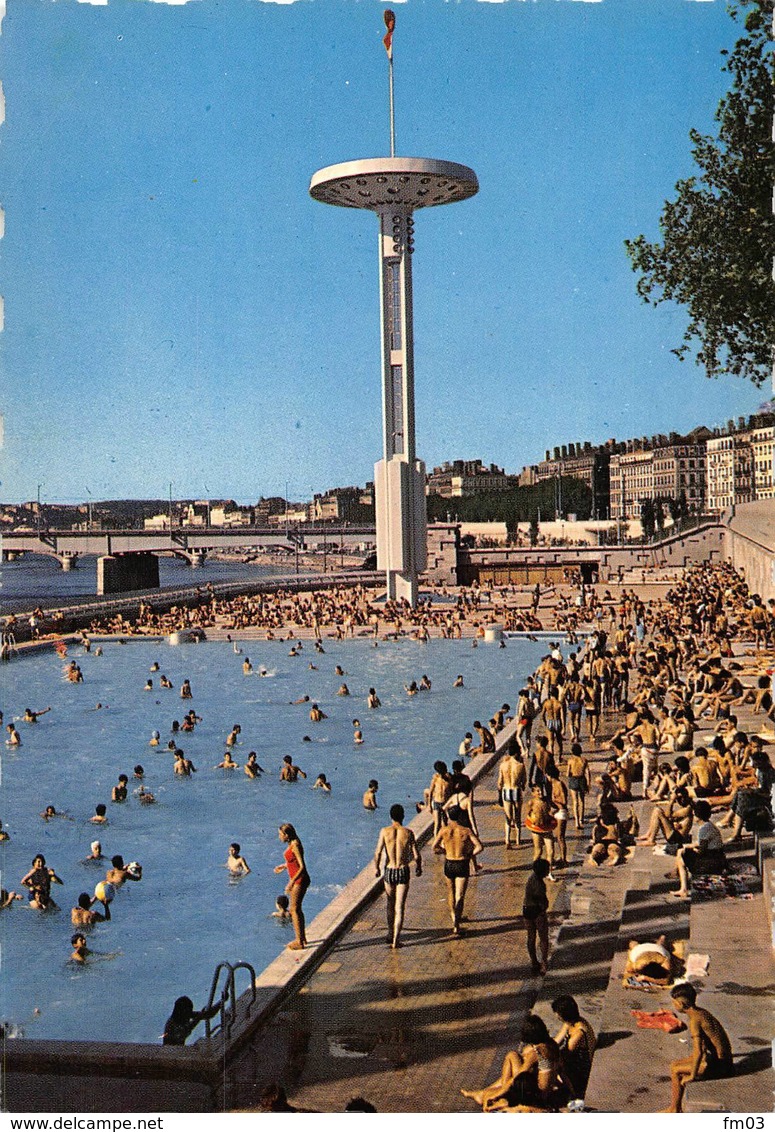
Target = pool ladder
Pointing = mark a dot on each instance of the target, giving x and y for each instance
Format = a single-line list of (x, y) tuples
[(228, 998)]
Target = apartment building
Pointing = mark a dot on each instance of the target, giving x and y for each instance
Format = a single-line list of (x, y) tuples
[(461, 478), (729, 470), (665, 468), (763, 445)]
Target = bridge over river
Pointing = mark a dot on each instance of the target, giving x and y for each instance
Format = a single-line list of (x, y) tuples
[(128, 559)]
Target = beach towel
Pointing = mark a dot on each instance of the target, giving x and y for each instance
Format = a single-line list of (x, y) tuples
[(658, 1020)]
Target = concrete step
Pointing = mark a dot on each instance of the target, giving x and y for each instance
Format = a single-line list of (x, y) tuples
[(736, 932)]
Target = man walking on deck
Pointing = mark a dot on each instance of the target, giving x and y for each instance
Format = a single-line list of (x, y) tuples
[(400, 848)]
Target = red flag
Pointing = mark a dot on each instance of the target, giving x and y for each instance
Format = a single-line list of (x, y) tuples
[(390, 23)]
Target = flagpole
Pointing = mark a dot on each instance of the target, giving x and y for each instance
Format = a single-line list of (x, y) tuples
[(392, 108), (390, 22)]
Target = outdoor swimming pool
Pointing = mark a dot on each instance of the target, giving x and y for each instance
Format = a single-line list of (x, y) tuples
[(187, 914)]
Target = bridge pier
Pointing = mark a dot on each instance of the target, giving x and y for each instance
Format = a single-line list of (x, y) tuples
[(118, 573), (68, 561), (12, 555)]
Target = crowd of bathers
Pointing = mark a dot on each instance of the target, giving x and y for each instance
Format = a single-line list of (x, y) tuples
[(668, 677)]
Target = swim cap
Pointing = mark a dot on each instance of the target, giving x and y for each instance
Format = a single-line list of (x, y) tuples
[(95, 845), (134, 869), (104, 891)]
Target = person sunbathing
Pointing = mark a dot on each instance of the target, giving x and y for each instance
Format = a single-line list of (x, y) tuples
[(651, 962)]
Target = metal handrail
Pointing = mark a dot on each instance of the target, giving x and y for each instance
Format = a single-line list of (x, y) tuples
[(228, 997)]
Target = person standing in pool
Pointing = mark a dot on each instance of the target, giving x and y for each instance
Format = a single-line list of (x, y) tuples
[(298, 882), (399, 846), (235, 862), (458, 844), (39, 880)]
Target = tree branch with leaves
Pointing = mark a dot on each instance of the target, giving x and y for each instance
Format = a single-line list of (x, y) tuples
[(718, 234)]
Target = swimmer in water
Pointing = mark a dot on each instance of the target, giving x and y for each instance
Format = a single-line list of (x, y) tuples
[(316, 715), (235, 862), (39, 880), (226, 763), (233, 736), (185, 690), (251, 768), (138, 771), (83, 916), (51, 812), (33, 716), (164, 682), (374, 701), (96, 853), (411, 689), (155, 739), (301, 700), (289, 772), (148, 686), (281, 909), (3, 835), (322, 783), (183, 765), (370, 795), (458, 682), (120, 791), (357, 734), (7, 898), (80, 952), (263, 671), (14, 738), (425, 684), (154, 667), (343, 690), (100, 814), (145, 796), (118, 871), (339, 671), (247, 667)]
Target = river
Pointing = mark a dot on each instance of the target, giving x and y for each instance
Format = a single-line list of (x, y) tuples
[(39, 579)]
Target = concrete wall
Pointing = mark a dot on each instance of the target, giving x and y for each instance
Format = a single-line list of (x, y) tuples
[(706, 543), (443, 548), (119, 573), (750, 544)]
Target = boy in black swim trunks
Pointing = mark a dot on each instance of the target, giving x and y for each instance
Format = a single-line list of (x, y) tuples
[(400, 848)]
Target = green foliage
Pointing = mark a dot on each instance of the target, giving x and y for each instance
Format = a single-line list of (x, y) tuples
[(718, 233), (516, 506), (534, 528), (648, 518)]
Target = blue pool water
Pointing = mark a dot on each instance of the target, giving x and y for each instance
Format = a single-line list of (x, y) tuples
[(169, 931)]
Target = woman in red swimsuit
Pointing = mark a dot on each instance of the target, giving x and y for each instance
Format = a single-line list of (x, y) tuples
[(298, 882)]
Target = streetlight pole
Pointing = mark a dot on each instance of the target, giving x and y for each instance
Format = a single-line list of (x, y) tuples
[(38, 513), (170, 508)]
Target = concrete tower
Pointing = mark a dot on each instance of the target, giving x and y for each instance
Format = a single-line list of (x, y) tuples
[(394, 187)]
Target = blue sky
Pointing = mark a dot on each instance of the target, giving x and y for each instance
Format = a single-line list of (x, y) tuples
[(178, 309)]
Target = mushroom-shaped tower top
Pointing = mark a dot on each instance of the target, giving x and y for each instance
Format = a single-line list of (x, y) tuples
[(378, 182)]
